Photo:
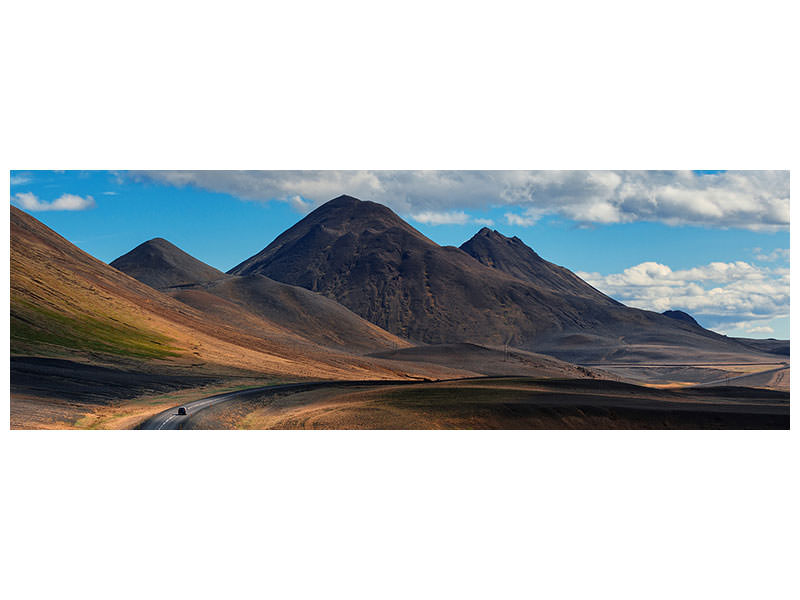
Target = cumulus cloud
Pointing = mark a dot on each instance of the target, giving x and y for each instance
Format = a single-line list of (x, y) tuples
[(31, 202), (530, 217), (717, 294), (454, 217), (430, 217), (761, 329), (757, 200)]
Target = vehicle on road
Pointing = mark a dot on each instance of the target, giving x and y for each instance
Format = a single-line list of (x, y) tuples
[(182, 410)]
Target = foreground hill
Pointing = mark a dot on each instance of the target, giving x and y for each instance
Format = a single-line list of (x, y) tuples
[(256, 303), (494, 290)]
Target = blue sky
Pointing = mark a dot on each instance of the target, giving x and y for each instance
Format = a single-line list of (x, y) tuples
[(712, 243)]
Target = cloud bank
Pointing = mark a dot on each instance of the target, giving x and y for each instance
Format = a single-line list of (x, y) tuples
[(722, 296), (756, 200), (31, 202)]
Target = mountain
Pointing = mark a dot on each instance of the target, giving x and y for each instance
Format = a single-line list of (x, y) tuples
[(159, 264), (255, 303), (493, 290), (370, 260), (680, 316), (513, 256)]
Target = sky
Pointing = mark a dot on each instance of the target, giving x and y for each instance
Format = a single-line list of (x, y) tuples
[(712, 243)]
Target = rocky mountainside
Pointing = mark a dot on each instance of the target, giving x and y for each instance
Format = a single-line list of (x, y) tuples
[(493, 290), (513, 256)]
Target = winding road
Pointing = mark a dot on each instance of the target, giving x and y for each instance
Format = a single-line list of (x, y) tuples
[(170, 419)]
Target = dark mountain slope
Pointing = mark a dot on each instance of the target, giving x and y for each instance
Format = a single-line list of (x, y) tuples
[(369, 259), (512, 256), (680, 316)]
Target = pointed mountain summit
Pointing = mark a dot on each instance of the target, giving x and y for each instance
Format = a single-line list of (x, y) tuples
[(162, 265), (512, 256), (340, 226)]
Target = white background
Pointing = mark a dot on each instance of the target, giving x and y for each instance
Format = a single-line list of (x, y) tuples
[(237, 85)]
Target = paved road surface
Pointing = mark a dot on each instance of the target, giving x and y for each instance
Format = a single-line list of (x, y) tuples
[(170, 419)]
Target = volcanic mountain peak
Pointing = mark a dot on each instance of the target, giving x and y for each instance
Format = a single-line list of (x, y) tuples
[(345, 200), (492, 235), (336, 228), (345, 208), (513, 256), (160, 264)]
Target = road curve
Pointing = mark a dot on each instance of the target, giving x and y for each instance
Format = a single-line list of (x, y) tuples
[(170, 419)]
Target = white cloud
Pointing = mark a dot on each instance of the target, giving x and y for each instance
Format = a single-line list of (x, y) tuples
[(487, 222), (20, 179), (300, 205), (110, 193), (756, 200), (761, 329), (430, 217), (717, 294), (29, 201), (777, 254), (524, 220)]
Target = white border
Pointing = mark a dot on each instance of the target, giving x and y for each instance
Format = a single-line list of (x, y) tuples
[(413, 514)]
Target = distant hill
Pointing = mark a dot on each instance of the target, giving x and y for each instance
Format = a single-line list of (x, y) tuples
[(160, 264), (493, 290)]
